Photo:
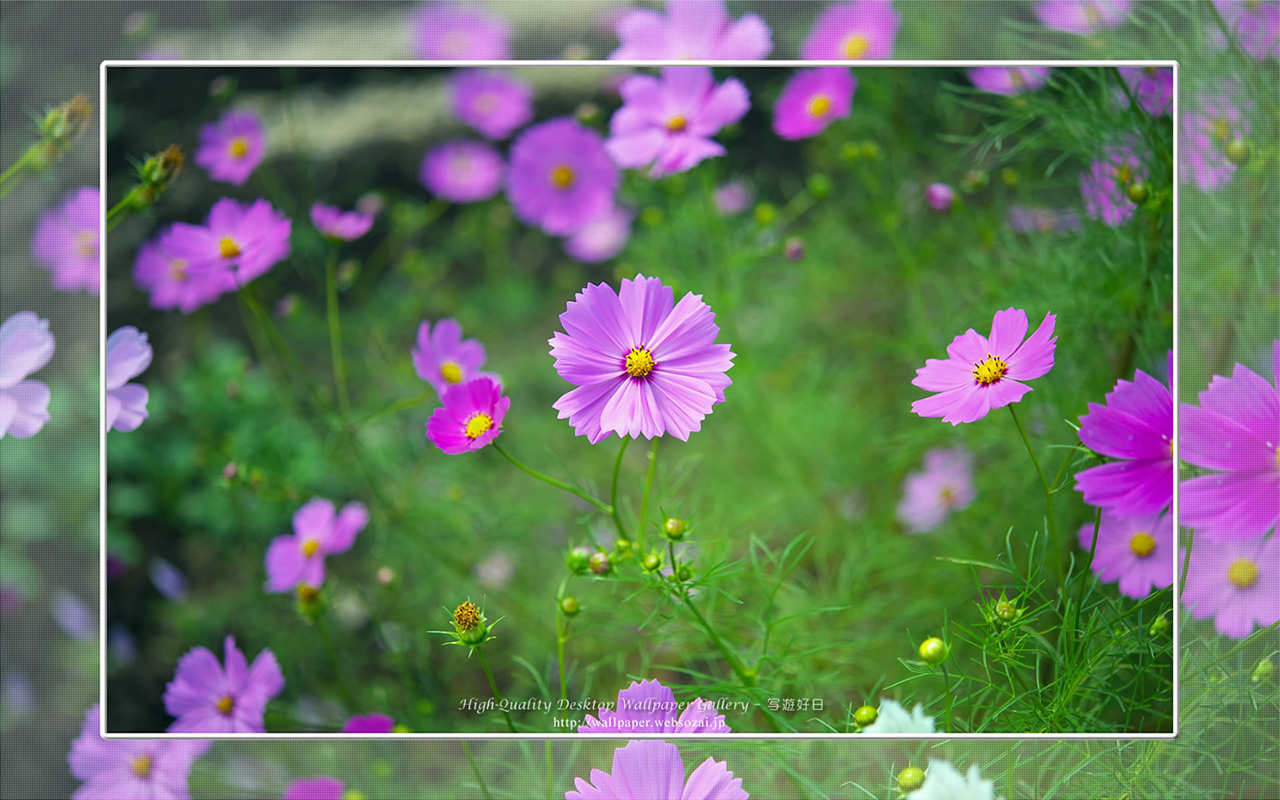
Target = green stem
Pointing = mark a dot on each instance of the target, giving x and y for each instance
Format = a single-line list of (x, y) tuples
[(494, 686), (550, 763), (648, 487), (114, 216), (335, 332), (399, 405), (475, 770), (347, 697), (1054, 546), (562, 636), (613, 488), (743, 675), (1186, 562), (573, 490), (946, 684), (16, 169)]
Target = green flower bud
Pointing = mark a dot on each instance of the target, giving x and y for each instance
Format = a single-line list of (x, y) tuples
[(934, 651), (651, 216), (1010, 176), (599, 563), (578, 559), (819, 185), (673, 529), (865, 715), (1237, 152), (684, 574), (622, 547), (587, 113), (310, 602), (910, 779), (652, 562), (1006, 611), (765, 214), (1138, 193), (1160, 626), (849, 151), (569, 606), (1265, 670)]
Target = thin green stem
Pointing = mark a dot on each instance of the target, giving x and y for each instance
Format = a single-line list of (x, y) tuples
[(550, 768), (1054, 546), (613, 487), (335, 332), (347, 697), (1186, 561), (399, 405), (648, 487), (497, 695), (475, 770), (573, 490), (946, 686), (16, 168), (1093, 548), (114, 215), (562, 636), (746, 678)]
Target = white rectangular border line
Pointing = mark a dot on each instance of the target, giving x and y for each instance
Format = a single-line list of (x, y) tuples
[(767, 64)]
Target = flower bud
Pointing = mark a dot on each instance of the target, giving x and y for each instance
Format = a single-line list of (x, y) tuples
[(623, 548), (684, 574), (910, 779), (849, 151), (865, 715), (1237, 152), (386, 575), (1265, 670), (356, 794), (940, 196), (819, 185), (673, 529), (793, 248), (587, 113), (652, 562), (470, 624), (933, 651), (569, 606), (599, 563), (230, 471), (310, 603), (765, 214), (1009, 176), (1006, 611), (578, 559), (1138, 193), (1160, 626)]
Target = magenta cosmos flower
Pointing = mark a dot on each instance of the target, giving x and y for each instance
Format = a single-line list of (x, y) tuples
[(945, 485), (243, 240), (139, 769), (691, 29), (1136, 551), (66, 241), (25, 346), (128, 354), (985, 373), (810, 101), (1008, 80), (650, 707), (1105, 186), (443, 358), (861, 29), (1135, 426), (493, 103), (650, 769), (1206, 134), (322, 788), (1254, 25), (669, 122), (369, 723), (940, 196), (317, 532), (165, 277), (461, 171), (470, 418), (453, 32), (1236, 583), (1235, 432), (1152, 87), (232, 148), (561, 176), (643, 366), (1082, 16), (339, 225), (208, 699), (600, 239)]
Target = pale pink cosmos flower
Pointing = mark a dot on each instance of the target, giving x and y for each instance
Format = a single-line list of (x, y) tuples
[(732, 198), (940, 196), (1082, 16), (205, 698), (691, 29), (66, 241), (297, 559), (600, 239), (1135, 551), (650, 707), (128, 355), (25, 346), (446, 31), (1008, 80), (1237, 583), (1105, 185), (137, 769), (862, 29), (443, 358), (494, 103), (812, 100), (945, 485), (651, 769), (338, 225), (1254, 24), (462, 171)]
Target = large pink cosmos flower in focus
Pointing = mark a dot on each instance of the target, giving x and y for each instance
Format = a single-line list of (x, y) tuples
[(691, 29)]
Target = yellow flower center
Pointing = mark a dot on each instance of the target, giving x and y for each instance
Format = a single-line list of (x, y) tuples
[(1124, 175), (309, 547), (562, 177), (307, 594), (486, 102), (478, 424), (819, 106), (639, 362), (989, 371), (1015, 77), (87, 243), (1221, 129), (855, 46), (141, 766), (676, 124), (228, 248), (238, 147), (226, 704), (451, 372), (948, 496), (178, 269), (1142, 545), (1243, 574), (466, 616)]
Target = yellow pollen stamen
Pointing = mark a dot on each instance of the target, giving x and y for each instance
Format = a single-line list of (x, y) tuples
[(1016, 78), (989, 371), (948, 496), (1277, 454), (87, 243), (639, 362), (819, 106), (1142, 544), (478, 424), (676, 124), (562, 177), (228, 248), (141, 766), (226, 705), (178, 269), (309, 547), (1124, 175), (307, 594), (239, 146), (1243, 574), (466, 616), (1221, 129), (855, 46), (451, 372)]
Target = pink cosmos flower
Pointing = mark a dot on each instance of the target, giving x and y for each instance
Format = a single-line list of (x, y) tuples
[(462, 171), (207, 699), (1137, 551), (1136, 427), (945, 485), (139, 769), (233, 147), (1024, 219), (649, 769), (669, 122), (811, 100), (1152, 87), (128, 354), (691, 29), (66, 241), (1082, 16), (470, 418), (1235, 582), (642, 365), (170, 284), (1206, 134), (857, 30), (940, 196), (298, 559), (493, 103), (369, 723), (1105, 186), (731, 198), (600, 239), (985, 373), (453, 32), (1008, 80), (561, 176), (314, 789), (1255, 26), (650, 707), (25, 346), (243, 240), (340, 225), (443, 358), (1235, 432)]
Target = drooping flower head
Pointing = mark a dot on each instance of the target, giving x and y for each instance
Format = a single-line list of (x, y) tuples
[(1135, 427), (245, 240), (494, 103), (1237, 583), (470, 418), (1234, 433), (1136, 551), (649, 769), (1082, 16), (691, 29), (1008, 80), (1152, 87), (643, 365), (339, 225), (25, 346), (600, 239), (369, 723), (1255, 26), (444, 31), (1105, 186), (322, 788), (940, 196), (862, 29), (139, 769), (892, 717), (317, 532), (462, 171), (945, 485), (443, 358), (561, 176), (169, 282), (944, 782), (984, 373), (66, 241), (669, 123), (1207, 132), (205, 698), (811, 100), (650, 707), (232, 148), (128, 354)]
